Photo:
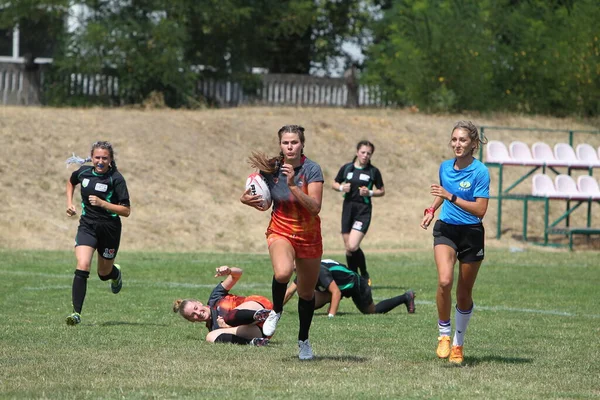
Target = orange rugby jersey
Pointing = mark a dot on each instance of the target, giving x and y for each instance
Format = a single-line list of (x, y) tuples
[(289, 218)]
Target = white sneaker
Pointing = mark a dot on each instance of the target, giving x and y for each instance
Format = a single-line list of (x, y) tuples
[(271, 323), (305, 350)]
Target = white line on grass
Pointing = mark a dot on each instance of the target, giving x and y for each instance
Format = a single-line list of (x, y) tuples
[(266, 286), (517, 310)]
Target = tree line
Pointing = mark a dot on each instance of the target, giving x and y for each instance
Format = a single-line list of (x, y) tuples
[(531, 56)]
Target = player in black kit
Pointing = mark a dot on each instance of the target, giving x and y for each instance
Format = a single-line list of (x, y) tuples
[(360, 181), (337, 281), (104, 199)]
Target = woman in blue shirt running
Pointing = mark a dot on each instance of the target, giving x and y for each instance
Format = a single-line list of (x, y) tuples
[(458, 234)]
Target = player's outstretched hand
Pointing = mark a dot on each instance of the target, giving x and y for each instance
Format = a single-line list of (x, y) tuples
[(223, 270)]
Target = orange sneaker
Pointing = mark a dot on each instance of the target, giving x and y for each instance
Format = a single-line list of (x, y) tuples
[(443, 348), (456, 355)]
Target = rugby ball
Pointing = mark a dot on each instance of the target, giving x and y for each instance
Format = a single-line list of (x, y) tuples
[(257, 185)]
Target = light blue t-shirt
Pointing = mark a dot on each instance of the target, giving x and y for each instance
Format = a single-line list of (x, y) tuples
[(468, 184)]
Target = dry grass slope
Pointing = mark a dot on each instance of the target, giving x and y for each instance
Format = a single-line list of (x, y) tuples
[(186, 170)]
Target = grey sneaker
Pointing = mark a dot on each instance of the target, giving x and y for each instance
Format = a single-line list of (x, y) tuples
[(306, 352), (259, 342), (271, 323), (261, 315)]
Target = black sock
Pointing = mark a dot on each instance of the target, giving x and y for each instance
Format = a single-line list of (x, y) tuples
[(351, 264), (278, 291), (386, 305), (231, 338), (306, 310), (79, 289), (237, 317), (114, 274), (357, 262)]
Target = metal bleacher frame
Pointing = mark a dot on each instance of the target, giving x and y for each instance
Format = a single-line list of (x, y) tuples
[(549, 227)]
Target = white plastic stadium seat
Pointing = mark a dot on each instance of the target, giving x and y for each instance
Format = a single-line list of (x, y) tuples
[(588, 185), (564, 152), (565, 184), (586, 152), (543, 186), (542, 152), (520, 152), (496, 152)]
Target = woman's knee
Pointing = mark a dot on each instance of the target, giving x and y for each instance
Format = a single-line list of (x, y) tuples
[(352, 247), (306, 294), (464, 298), (283, 275), (83, 265), (211, 336), (445, 283)]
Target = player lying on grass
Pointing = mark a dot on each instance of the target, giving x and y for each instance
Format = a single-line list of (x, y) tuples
[(337, 281), (229, 318)]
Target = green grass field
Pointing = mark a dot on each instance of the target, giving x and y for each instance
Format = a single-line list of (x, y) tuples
[(534, 333)]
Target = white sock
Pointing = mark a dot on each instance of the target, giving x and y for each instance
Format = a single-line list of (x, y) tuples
[(461, 319), (445, 327)]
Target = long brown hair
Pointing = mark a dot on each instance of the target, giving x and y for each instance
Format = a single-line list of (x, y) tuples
[(270, 165)]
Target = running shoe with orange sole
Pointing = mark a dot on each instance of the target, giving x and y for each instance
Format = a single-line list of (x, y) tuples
[(443, 348), (456, 355)]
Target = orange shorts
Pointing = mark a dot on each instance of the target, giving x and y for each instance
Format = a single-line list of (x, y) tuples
[(263, 301), (302, 250)]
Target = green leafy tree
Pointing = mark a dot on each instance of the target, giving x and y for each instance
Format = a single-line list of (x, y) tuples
[(529, 56), (432, 53)]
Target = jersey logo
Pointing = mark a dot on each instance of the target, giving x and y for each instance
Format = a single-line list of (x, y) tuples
[(364, 177), (109, 253), (101, 187), (349, 175), (85, 182), (465, 185)]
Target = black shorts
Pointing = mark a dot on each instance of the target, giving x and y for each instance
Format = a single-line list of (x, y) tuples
[(104, 236), (356, 216), (363, 297), (467, 240)]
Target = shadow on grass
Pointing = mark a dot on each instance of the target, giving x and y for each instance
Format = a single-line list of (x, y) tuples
[(473, 361), (117, 323), (318, 358)]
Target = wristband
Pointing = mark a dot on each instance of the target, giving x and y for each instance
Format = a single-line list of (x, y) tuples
[(429, 210), (341, 188), (331, 315), (453, 199), (370, 193)]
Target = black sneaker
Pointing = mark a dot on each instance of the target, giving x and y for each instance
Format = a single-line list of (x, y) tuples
[(117, 284), (259, 342), (410, 301), (74, 319)]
